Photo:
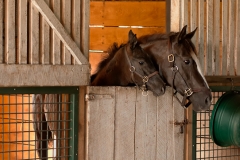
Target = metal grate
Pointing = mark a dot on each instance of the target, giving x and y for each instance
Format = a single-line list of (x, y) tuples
[(203, 146), (44, 128)]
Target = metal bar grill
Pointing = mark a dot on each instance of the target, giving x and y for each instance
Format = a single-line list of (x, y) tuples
[(203, 146), (48, 131)]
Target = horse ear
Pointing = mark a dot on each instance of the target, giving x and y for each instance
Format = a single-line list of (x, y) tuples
[(182, 34), (132, 38), (191, 34)]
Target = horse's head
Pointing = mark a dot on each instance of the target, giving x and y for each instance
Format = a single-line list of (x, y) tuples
[(184, 72), (142, 70), (175, 54)]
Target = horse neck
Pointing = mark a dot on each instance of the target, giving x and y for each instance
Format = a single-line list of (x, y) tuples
[(114, 72)]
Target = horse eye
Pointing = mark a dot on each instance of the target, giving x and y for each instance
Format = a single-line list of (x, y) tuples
[(141, 62), (187, 61)]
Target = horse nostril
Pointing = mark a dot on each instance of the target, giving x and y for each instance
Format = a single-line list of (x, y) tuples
[(163, 89), (208, 100)]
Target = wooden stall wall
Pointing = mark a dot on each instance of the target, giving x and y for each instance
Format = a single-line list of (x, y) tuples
[(110, 21), (47, 37), (218, 34)]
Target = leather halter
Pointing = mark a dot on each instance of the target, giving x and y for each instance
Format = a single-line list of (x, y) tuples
[(188, 91), (144, 78)]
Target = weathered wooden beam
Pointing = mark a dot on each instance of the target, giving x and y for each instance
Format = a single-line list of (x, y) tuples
[(223, 80), (60, 31), (44, 75)]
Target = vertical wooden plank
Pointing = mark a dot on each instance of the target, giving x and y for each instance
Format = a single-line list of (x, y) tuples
[(209, 38), (1, 31), (82, 124), (10, 34), (84, 34), (66, 20), (76, 17), (146, 127), (165, 135), (231, 37), (201, 53), (33, 34), (224, 35), (216, 38), (46, 44), (100, 123), (22, 32), (237, 42), (178, 142), (183, 13), (125, 123), (56, 41), (193, 18), (45, 40), (175, 15)]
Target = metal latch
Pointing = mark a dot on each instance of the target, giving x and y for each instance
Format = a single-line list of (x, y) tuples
[(91, 96), (181, 124)]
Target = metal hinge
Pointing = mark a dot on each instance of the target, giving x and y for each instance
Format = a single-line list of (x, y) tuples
[(91, 96), (181, 124)]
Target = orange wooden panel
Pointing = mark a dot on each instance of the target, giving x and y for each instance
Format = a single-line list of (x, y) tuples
[(103, 38), (127, 13)]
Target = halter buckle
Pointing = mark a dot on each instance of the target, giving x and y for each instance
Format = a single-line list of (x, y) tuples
[(132, 69), (145, 79), (171, 58), (174, 68), (188, 92)]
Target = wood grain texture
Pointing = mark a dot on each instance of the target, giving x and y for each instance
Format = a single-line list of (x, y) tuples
[(56, 46), (33, 35), (216, 39), (224, 36), (201, 29), (44, 75), (10, 23), (60, 31), (128, 13), (124, 123), (103, 38), (100, 124), (209, 38), (145, 127), (237, 40), (22, 32), (131, 126), (1, 31)]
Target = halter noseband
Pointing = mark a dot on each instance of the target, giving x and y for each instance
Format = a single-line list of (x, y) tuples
[(187, 92), (144, 78)]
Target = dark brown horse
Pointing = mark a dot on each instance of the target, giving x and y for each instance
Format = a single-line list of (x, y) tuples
[(129, 65), (175, 56)]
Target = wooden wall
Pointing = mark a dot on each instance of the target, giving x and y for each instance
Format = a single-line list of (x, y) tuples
[(47, 37), (110, 21), (217, 39)]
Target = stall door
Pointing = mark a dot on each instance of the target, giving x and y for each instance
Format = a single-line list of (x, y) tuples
[(124, 124)]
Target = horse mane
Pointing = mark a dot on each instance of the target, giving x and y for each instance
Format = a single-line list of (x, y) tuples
[(163, 36), (107, 58), (154, 37)]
